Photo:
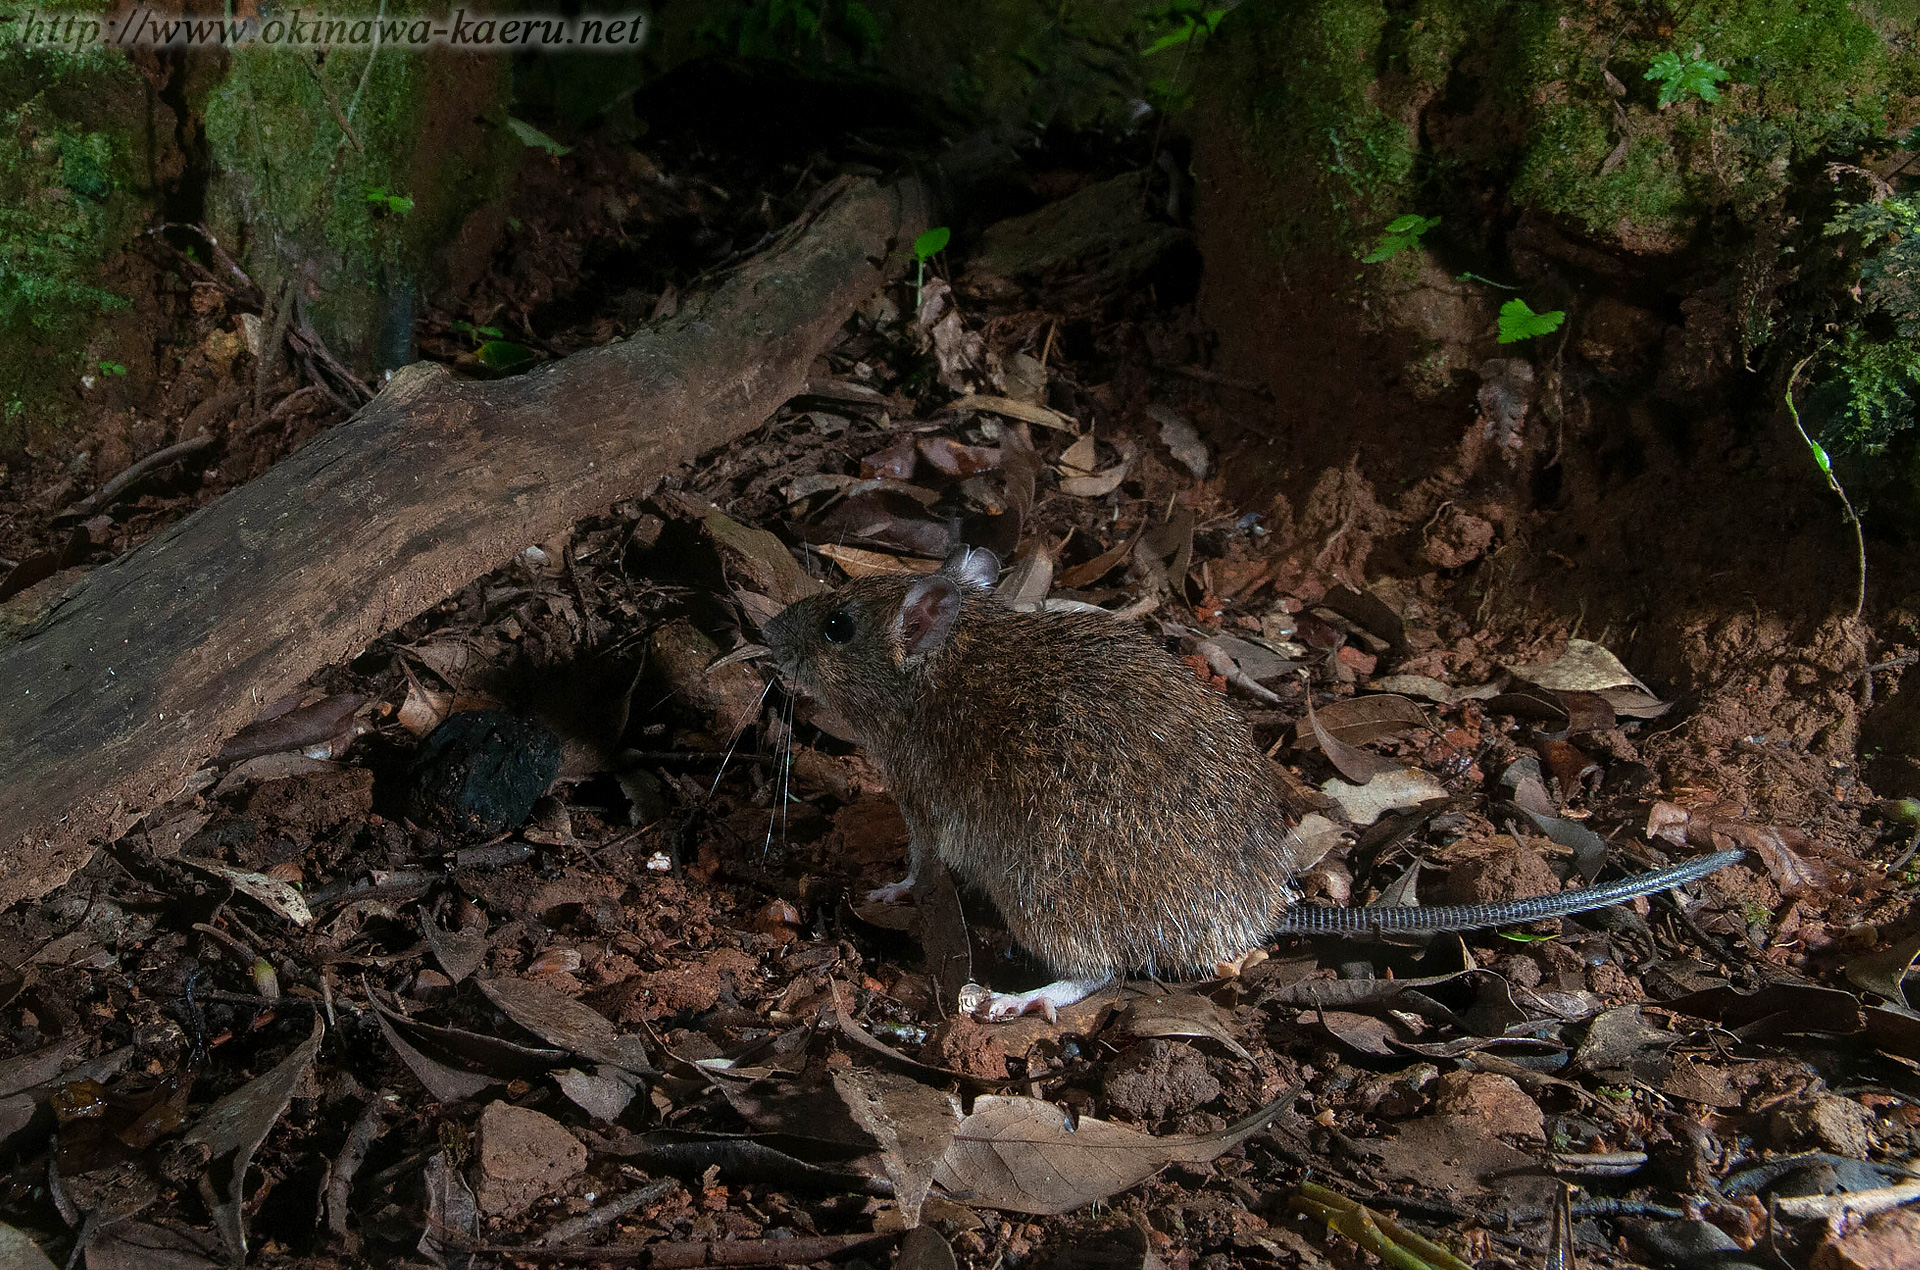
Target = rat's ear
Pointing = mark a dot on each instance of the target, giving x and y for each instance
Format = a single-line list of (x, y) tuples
[(974, 567), (927, 614)]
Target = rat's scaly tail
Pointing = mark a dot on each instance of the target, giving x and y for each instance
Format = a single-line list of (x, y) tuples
[(1409, 919)]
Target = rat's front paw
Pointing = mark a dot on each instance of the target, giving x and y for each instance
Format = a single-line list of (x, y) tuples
[(892, 893)]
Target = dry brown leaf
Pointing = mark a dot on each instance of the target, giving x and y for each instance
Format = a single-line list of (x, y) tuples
[(1008, 408), (1079, 459), (1586, 667), (755, 555), (913, 1123), (1028, 582), (1098, 485), (562, 1021), (924, 1248), (424, 709), (279, 896), (1396, 790), (459, 952), (445, 1082), (1886, 970), (1022, 1155), (1353, 763), (302, 728), (1425, 687), (872, 564), (232, 1130), (1358, 720), (1181, 1014), (1093, 570)]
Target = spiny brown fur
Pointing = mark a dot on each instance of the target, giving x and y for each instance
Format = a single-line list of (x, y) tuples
[(1113, 806)]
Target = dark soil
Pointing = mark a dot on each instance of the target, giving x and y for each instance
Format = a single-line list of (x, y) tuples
[(695, 878)]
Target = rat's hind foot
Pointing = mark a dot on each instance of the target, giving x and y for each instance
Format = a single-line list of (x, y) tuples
[(892, 893), (1001, 1006)]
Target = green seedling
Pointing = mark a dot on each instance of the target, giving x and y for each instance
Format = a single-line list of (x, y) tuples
[(478, 334), (1519, 322), (1825, 464), (1682, 77), (925, 248), (112, 368), (1400, 234), (1190, 20), (533, 138), (385, 201)]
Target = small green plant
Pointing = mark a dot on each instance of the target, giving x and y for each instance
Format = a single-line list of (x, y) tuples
[(926, 247), (1178, 23), (1400, 234), (493, 350), (1877, 357), (112, 368), (1519, 322), (385, 201), (1825, 464), (1681, 77), (535, 139)]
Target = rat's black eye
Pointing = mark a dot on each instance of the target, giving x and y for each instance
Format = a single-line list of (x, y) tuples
[(838, 628)]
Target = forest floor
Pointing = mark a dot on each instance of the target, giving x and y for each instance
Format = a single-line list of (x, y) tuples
[(656, 1023)]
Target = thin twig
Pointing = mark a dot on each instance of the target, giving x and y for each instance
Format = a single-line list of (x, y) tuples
[(613, 1210)]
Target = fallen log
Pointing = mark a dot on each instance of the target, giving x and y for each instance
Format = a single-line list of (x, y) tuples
[(116, 695)]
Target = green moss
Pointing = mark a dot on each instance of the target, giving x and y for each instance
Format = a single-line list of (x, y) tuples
[(70, 157), (354, 211), (1550, 102)]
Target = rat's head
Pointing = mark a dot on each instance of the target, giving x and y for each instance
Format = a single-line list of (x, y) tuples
[(856, 650)]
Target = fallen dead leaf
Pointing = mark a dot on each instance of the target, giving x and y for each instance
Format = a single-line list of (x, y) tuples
[(1587, 667), (872, 564), (1182, 441), (1181, 1014), (913, 1123), (1026, 585), (1022, 1155), (1007, 407), (1357, 720), (232, 1130), (1886, 970), (276, 895), (1352, 762), (301, 728), (562, 1021)]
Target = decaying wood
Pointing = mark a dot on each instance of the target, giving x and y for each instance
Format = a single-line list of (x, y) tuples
[(120, 692)]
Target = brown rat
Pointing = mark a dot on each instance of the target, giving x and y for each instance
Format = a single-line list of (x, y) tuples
[(1112, 804)]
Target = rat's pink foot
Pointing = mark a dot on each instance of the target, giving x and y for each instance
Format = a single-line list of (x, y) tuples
[(1001, 1006), (892, 893)]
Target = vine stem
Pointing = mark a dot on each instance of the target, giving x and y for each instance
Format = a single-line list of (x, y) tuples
[(1826, 470)]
